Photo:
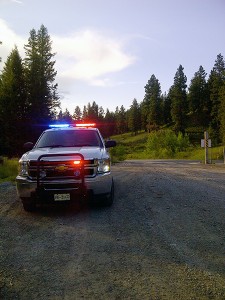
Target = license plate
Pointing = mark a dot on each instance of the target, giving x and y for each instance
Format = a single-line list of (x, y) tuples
[(61, 197)]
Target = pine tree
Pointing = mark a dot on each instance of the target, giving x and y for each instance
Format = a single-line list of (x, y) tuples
[(198, 99), (222, 112), (100, 119), (0, 57), (92, 112), (152, 103), (101, 115), (40, 76), (178, 97), (117, 120), (216, 81), (109, 122), (13, 104), (167, 118), (66, 116), (121, 120), (85, 114), (77, 115), (134, 117)]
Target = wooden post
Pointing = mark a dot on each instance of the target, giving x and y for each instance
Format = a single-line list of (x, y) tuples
[(224, 154), (206, 137)]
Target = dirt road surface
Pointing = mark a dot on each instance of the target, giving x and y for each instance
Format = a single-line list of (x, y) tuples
[(163, 238)]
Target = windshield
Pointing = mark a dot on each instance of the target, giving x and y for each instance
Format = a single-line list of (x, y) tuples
[(69, 138)]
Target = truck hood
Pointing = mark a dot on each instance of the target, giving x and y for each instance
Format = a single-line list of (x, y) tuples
[(87, 152)]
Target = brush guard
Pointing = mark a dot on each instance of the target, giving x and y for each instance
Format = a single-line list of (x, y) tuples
[(76, 187)]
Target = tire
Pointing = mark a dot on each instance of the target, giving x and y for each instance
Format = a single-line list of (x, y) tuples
[(108, 200), (29, 206)]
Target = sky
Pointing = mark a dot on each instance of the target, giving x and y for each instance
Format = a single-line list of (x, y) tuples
[(107, 50)]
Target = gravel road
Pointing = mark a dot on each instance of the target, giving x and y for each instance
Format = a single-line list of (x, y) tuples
[(163, 238)]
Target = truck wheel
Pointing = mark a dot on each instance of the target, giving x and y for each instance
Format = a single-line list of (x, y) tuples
[(108, 201), (29, 206)]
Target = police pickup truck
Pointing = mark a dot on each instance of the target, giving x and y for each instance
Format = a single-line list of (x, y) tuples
[(67, 163)]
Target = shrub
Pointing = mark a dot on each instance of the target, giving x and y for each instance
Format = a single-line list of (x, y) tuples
[(166, 144), (118, 153), (9, 169)]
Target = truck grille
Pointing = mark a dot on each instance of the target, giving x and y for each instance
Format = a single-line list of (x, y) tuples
[(63, 169)]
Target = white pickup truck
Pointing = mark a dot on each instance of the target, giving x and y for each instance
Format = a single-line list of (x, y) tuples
[(67, 163)]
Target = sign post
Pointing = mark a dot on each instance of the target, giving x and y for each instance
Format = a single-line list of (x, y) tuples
[(206, 138)]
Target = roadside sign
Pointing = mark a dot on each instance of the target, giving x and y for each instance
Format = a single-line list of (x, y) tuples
[(202, 143), (206, 143), (209, 143)]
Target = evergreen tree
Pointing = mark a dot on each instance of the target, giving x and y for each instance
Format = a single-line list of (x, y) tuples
[(40, 77), (121, 120), (66, 116), (100, 119), (216, 81), (178, 97), (13, 105), (167, 118), (152, 103), (222, 113), (101, 114), (92, 112), (0, 57), (60, 115), (198, 99), (77, 115), (117, 120), (85, 114), (134, 117), (109, 124)]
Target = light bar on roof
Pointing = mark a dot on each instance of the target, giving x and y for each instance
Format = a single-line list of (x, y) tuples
[(84, 125)]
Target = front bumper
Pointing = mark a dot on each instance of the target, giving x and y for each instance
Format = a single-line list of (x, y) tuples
[(100, 184)]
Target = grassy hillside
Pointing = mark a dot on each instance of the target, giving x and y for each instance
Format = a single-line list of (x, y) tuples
[(130, 146), (134, 147)]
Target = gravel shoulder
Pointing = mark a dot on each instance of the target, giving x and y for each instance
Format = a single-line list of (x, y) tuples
[(163, 238)]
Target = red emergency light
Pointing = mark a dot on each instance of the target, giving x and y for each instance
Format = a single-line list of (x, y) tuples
[(86, 125)]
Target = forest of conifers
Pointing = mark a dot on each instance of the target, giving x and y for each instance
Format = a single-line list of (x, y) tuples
[(29, 100)]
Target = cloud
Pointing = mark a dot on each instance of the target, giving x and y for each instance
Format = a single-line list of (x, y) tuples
[(9, 40), (10, 1), (87, 55), (17, 1)]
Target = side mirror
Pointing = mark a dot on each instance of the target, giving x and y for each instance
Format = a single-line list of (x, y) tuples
[(28, 146), (110, 144)]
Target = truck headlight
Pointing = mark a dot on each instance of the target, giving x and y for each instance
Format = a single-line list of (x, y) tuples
[(104, 165), (23, 168)]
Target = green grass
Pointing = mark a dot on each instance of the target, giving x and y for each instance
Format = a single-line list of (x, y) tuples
[(9, 169), (129, 146), (134, 147)]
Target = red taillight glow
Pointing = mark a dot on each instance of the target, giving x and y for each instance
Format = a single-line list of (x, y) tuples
[(86, 125), (77, 162)]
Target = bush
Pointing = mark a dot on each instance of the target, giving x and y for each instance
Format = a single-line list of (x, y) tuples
[(118, 153), (8, 170), (166, 144)]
